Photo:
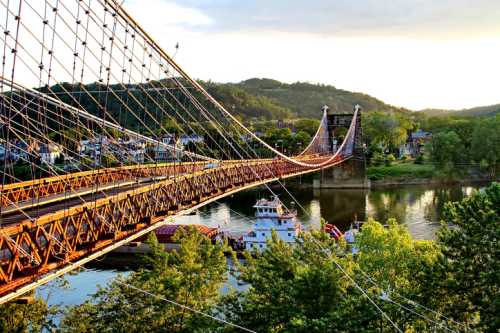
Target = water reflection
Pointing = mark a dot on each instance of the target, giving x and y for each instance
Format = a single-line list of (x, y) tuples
[(419, 207)]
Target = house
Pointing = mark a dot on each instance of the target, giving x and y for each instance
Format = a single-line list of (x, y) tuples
[(415, 143), (49, 152), (162, 153), (282, 124), (185, 139)]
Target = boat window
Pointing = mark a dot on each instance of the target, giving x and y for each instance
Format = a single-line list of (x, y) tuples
[(263, 234), (289, 234), (279, 222), (260, 245)]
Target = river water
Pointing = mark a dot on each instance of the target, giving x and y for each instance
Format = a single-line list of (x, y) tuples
[(418, 207)]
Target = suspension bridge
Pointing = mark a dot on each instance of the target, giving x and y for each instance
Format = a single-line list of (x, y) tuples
[(88, 167)]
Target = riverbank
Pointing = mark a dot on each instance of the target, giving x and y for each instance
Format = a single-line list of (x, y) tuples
[(409, 173)]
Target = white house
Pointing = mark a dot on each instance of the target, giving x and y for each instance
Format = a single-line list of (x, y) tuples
[(186, 139)]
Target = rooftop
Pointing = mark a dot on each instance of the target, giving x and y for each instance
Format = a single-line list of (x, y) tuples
[(275, 203)]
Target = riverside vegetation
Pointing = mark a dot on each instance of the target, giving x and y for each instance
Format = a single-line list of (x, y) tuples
[(311, 287)]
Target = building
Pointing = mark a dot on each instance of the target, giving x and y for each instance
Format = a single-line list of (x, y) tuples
[(49, 152), (162, 153), (415, 143), (283, 124), (185, 139), (271, 216)]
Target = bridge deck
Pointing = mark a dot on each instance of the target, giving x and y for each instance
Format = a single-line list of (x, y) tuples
[(69, 232)]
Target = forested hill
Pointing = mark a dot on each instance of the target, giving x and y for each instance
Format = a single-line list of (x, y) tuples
[(305, 100), (482, 111), (262, 99)]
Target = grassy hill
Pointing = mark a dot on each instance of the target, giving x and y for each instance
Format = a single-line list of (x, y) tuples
[(305, 99), (481, 111)]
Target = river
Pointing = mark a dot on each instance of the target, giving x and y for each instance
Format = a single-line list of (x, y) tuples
[(418, 207)]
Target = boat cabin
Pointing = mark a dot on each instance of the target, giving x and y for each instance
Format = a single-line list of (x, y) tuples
[(271, 216)]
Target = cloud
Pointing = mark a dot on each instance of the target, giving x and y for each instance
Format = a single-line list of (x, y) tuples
[(413, 53), (413, 18), (160, 13)]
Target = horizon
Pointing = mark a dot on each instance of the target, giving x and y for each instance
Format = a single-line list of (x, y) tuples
[(414, 54)]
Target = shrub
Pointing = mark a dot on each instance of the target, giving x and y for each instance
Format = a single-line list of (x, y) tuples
[(378, 159), (419, 159), (389, 159), (406, 171), (405, 157)]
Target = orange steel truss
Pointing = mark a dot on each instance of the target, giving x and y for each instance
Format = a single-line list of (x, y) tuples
[(40, 188), (31, 249)]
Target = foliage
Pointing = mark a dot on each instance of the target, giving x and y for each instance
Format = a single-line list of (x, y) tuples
[(485, 145), (245, 104), (32, 317), (191, 276), (389, 159), (306, 99), (386, 129), (466, 279), (482, 111), (292, 289), (310, 126), (302, 288), (401, 171), (447, 150), (378, 158), (284, 140)]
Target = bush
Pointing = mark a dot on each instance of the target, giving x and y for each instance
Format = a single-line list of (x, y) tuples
[(390, 159), (406, 170), (378, 158), (419, 159)]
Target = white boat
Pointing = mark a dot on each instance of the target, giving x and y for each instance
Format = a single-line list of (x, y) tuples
[(272, 216), (350, 235)]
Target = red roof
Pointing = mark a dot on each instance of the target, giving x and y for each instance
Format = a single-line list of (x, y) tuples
[(169, 230)]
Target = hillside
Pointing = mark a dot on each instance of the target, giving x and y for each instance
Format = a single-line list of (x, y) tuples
[(305, 99), (262, 99), (481, 111)]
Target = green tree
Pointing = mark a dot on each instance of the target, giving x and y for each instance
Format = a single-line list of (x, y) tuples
[(292, 289), (486, 143), (310, 126), (36, 316), (387, 129), (447, 150), (465, 282), (301, 288), (191, 276)]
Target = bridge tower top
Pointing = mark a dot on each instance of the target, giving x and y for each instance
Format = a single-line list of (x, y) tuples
[(338, 121)]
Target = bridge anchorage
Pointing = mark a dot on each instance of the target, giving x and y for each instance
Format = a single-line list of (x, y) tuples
[(88, 167)]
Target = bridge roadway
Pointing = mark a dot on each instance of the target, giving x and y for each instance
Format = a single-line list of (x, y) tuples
[(68, 233)]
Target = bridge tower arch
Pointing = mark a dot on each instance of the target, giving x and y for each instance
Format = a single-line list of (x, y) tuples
[(351, 174)]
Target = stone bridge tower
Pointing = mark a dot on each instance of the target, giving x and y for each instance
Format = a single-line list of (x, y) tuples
[(352, 173)]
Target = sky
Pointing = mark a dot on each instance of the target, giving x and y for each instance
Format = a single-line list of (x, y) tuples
[(411, 53)]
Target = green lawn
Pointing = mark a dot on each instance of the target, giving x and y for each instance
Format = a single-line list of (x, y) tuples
[(401, 170)]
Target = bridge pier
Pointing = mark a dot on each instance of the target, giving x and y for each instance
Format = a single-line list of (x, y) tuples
[(350, 174)]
